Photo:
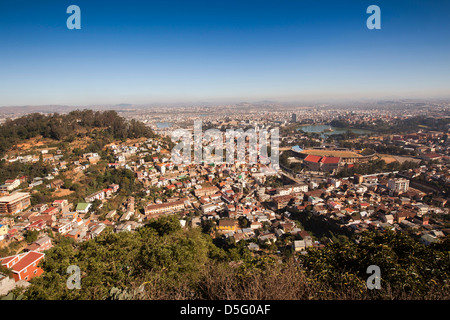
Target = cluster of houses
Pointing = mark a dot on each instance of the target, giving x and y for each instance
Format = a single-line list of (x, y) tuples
[(224, 192), (233, 198), (58, 217), (103, 194), (430, 145), (373, 203)]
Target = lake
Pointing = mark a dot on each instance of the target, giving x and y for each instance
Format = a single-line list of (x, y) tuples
[(322, 128), (162, 125)]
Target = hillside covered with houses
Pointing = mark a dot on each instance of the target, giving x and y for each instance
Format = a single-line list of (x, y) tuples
[(97, 185)]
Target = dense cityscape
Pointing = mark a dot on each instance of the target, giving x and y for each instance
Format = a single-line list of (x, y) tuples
[(342, 172)]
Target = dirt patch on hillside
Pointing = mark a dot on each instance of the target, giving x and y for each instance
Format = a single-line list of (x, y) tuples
[(128, 142), (32, 143), (62, 193)]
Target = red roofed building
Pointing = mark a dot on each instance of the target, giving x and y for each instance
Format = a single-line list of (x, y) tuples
[(12, 232), (432, 156), (108, 192), (312, 162), (37, 225), (60, 204), (51, 211), (317, 163), (330, 160), (329, 163), (24, 266), (312, 158)]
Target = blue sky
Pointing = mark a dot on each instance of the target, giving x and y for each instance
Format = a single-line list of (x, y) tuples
[(156, 51)]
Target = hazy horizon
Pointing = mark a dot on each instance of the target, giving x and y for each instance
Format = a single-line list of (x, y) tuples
[(305, 102), (313, 101)]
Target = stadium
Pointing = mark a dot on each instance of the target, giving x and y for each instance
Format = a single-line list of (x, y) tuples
[(331, 158)]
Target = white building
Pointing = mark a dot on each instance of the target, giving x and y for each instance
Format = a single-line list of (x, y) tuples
[(398, 185)]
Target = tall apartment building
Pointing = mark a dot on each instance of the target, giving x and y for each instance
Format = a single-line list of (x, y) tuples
[(14, 203), (398, 185)]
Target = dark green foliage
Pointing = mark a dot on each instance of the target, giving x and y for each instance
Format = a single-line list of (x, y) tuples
[(379, 148), (4, 270), (42, 195), (208, 226), (408, 125), (407, 266), (165, 225), (273, 182), (60, 127), (376, 166), (123, 177), (31, 236), (18, 169), (163, 261), (243, 222), (160, 251)]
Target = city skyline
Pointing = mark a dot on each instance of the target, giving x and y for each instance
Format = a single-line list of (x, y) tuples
[(128, 52)]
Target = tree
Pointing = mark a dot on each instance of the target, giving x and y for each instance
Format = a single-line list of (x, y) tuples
[(407, 265), (165, 225), (64, 127), (68, 184), (31, 235), (243, 222), (160, 253), (208, 226)]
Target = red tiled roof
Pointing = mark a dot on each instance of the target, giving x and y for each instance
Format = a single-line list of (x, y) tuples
[(27, 259), (51, 209), (330, 160), (432, 155), (4, 261), (37, 222), (312, 158)]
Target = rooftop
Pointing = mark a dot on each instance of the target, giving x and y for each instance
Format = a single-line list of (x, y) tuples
[(14, 197)]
